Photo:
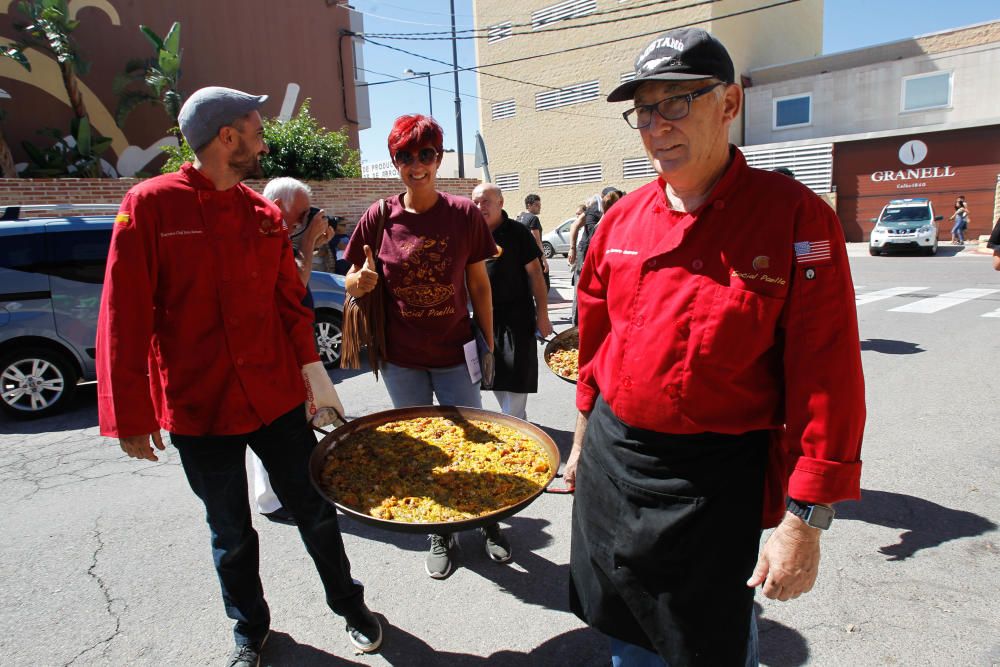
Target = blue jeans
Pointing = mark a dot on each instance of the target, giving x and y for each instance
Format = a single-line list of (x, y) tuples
[(958, 230), (624, 654), (418, 386), (215, 469)]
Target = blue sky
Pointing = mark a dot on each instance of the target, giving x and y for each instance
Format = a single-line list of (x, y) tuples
[(848, 24)]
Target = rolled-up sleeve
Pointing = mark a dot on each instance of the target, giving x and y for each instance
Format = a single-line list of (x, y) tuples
[(824, 383)]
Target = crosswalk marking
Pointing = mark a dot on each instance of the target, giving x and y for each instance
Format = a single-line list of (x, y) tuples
[(871, 297), (944, 301), (992, 313)]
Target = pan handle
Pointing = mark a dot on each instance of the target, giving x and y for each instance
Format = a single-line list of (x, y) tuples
[(559, 489), (341, 417)]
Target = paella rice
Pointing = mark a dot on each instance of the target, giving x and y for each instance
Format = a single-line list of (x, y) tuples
[(434, 469), (566, 363)]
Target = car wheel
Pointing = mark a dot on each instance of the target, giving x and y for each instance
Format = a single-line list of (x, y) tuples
[(930, 252), (874, 252), (329, 332), (548, 250), (36, 382)]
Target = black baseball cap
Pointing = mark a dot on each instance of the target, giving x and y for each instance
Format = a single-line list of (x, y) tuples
[(685, 54)]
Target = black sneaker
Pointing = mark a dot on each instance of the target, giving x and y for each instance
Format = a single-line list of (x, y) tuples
[(438, 562), (247, 655), (365, 631), (497, 546)]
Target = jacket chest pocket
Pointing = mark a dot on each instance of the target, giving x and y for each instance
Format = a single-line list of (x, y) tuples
[(738, 327)]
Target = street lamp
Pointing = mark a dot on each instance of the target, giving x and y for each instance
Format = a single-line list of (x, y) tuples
[(430, 99)]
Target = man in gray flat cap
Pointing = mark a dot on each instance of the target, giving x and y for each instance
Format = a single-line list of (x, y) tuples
[(720, 388), (202, 333)]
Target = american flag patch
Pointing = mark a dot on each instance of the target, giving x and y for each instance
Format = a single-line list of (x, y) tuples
[(812, 252)]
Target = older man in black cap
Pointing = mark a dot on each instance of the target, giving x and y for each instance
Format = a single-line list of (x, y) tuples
[(202, 332), (720, 388)]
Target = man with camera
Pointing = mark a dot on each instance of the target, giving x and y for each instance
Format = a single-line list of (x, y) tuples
[(308, 228)]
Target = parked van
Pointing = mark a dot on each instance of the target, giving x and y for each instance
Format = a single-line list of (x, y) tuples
[(51, 277)]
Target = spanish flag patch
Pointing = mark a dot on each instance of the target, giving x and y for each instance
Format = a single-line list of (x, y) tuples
[(122, 219)]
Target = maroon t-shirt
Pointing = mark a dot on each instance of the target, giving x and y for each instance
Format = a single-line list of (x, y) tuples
[(424, 256)]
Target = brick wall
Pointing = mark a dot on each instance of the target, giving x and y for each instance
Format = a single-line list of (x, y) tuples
[(347, 197)]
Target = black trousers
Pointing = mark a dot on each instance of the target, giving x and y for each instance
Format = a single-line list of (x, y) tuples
[(665, 533), (216, 470)]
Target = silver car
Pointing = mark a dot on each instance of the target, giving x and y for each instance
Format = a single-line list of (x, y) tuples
[(557, 241)]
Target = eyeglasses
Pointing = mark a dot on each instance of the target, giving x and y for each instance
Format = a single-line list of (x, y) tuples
[(427, 156), (671, 108)]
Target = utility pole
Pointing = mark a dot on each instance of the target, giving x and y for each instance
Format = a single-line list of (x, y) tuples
[(458, 99)]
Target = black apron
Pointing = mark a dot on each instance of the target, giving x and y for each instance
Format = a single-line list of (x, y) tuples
[(665, 533)]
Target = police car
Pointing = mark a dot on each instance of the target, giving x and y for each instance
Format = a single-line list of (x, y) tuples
[(905, 224), (51, 277)]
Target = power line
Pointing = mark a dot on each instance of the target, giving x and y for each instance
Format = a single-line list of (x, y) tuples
[(425, 36), (478, 68)]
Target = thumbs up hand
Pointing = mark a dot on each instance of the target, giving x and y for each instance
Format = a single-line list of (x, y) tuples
[(363, 279)]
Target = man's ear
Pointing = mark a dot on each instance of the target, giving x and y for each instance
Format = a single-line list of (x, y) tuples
[(732, 101)]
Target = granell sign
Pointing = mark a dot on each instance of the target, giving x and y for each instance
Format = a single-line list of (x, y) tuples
[(911, 154)]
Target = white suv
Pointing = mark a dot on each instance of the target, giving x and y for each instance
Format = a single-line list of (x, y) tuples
[(905, 224)]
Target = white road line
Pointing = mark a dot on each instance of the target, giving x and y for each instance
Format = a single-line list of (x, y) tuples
[(992, 313), (944, 301), (871, 297)]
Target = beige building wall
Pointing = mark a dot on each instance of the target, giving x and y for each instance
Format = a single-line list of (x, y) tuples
[(593, 131)]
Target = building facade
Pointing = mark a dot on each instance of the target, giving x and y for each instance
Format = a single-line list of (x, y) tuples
[(547, 66), (914, 118), (289, 51)]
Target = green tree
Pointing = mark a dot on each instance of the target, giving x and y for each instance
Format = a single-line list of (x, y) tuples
[(153, 80), (299, 148)]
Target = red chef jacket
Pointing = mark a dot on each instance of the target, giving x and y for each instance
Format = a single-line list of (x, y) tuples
[(737, 317), (202, 330)]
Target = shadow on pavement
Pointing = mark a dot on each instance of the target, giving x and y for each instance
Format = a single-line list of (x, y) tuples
[(282, 649), (889, 346), (780, 645), (925, 524), (582, 648)]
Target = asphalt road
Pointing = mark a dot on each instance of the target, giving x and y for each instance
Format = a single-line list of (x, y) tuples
[(106, 560)]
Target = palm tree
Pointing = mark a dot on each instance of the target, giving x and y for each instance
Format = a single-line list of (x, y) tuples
[(157, 77), (50, 30)]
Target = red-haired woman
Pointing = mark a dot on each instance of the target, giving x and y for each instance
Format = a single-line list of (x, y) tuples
[(434, 244)]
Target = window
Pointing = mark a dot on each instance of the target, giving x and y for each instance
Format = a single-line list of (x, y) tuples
[(581, 92), (581, 173), (508, 182), (926, 91), (626, 77), (500, 31), (505, 109), (792, 111), (564, 10), (637, 167)]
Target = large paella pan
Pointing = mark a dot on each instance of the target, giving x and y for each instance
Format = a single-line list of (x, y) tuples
[(433, 469)]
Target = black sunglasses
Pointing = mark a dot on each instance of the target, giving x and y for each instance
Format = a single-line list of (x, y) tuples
[(427, 156)]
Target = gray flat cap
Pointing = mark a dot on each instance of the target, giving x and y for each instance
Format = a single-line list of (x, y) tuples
[(210, 109)]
